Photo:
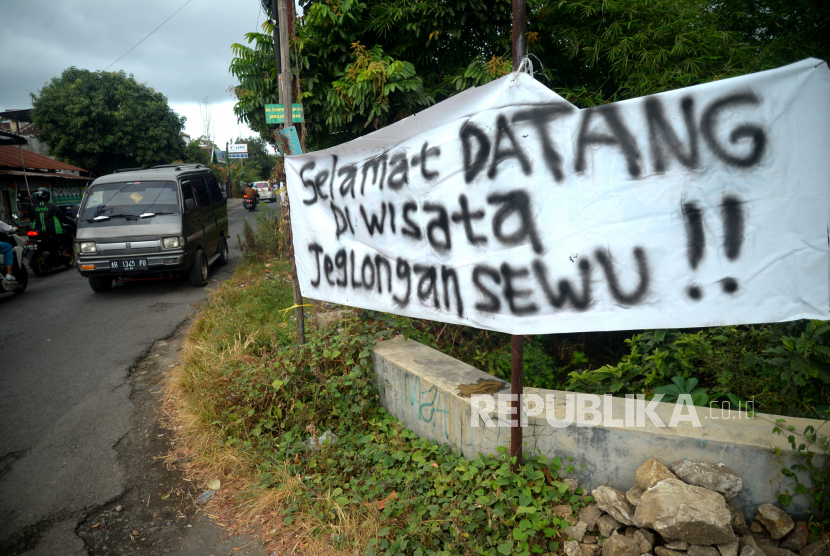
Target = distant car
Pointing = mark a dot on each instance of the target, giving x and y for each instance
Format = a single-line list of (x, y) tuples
[(266, 192)]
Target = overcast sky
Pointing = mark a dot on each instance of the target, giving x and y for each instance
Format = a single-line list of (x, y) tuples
[(187, 59)]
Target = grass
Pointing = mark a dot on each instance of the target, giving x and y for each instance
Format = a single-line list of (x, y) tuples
[(247, 398)]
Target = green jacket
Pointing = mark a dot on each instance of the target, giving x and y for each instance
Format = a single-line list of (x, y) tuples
[(46, 217)]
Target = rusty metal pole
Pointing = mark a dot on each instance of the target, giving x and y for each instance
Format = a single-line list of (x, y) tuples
[(517, 342)]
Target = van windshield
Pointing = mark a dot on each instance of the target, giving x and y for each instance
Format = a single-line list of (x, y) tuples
[(130, 199)]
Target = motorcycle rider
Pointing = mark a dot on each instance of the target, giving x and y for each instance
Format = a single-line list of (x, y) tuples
[(47, 217), (7, 252), (252, 194)]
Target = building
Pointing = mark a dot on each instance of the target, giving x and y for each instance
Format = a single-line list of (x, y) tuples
[(20, 123), (23, 172)]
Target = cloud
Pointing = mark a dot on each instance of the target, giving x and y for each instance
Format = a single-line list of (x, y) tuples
[(187, 59)]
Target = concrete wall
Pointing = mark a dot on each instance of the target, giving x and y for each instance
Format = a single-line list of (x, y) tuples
[(419, 386)]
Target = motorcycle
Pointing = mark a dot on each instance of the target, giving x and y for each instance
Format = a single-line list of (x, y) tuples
[(18, 269), (46, 251), (249, 203)]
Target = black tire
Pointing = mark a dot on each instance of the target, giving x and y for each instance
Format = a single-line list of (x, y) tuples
[(71, 262), (39, 265), (100, 284), (223, 252), (199, 272), (22, 276)]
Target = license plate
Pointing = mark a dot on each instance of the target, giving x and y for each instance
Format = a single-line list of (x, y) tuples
[(30, 247), (130, 264)]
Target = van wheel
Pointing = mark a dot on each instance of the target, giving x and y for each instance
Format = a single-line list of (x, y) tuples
[(100, 284), (223, 252), (199, 272)]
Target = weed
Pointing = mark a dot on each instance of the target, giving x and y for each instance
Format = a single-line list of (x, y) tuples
[(810, 458)]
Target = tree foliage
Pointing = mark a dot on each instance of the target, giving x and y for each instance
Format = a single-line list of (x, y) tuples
[(102, 121), (367, 63)]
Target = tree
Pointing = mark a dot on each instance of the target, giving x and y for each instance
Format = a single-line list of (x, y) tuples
[(367, 63), (195, 153), (103, 121), (259, 163)]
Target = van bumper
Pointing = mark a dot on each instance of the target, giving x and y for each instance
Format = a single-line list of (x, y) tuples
[(157, 263)]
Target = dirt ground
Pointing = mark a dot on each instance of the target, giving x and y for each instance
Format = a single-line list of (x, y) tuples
[(157, 513)]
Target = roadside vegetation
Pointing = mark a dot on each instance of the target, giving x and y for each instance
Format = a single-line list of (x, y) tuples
[(252, 402), (315, 460)]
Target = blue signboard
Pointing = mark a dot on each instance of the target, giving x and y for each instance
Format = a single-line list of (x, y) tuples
[(237, 155), (293, 140), (220, 156)]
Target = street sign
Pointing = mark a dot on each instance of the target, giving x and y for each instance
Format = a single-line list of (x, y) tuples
[(293, 140), (237, 155), (242, 148), (275, 113)]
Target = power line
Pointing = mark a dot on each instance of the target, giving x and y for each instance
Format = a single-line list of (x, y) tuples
[(145, 38)]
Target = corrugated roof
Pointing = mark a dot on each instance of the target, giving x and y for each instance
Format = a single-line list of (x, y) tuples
[(44, 175), (10, 159)]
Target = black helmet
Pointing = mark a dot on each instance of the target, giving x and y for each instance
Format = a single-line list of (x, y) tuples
[(42, 195)]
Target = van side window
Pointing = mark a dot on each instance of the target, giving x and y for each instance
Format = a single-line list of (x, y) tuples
[(214, 189), (200, 189), (187, 192)]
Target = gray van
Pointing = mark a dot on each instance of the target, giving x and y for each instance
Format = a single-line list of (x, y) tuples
[(162, 221)]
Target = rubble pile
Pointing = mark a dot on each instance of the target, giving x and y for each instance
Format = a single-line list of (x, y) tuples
[(685, 511)]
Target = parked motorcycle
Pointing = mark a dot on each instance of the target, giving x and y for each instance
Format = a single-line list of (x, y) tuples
[(18, 269), (46, 251), (249, 203)]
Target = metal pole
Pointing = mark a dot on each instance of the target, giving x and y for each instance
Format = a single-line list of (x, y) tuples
[(25, 177), (517, 342)]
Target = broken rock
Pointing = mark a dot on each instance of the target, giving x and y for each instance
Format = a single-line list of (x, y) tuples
[(797, 539), (614, 502), (651, 473), (663, 551), (607, 525), (749, 541), (728, 549), (620, 545), (589, 549), (576, 531), (697, 550), (815, 549), (590, 514), (645, 539), (678, 545), (678, 511), (572, 548), (776, 520), (714, 476), (634, 494)]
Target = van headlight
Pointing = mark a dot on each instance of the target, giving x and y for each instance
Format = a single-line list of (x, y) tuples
[(171, 243), (87, 247)]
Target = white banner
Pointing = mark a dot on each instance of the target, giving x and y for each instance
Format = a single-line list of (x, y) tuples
[(507, 208), (242, 148)]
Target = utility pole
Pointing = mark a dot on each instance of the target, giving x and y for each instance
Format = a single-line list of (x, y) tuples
[(517, 341), (284, 64)]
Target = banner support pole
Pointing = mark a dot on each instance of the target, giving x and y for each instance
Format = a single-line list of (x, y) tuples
[(517, 341)]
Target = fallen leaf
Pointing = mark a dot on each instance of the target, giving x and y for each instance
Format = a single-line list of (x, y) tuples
[(166, 496), (96, 525), (215, 484), (435, 465), (381, 504)]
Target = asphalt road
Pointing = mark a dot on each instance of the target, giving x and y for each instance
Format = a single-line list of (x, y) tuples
[(65, 355)]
